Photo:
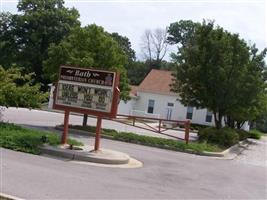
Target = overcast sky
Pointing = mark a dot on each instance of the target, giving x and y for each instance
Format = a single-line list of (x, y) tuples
[(132, 17)]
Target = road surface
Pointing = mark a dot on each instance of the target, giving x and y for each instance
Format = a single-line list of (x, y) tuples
[(164, 175)]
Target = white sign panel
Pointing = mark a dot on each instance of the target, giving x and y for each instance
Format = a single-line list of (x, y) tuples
[(85, 89)]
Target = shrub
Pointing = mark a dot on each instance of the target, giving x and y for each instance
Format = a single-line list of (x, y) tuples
[(27, 140), (254, 134), (198, 126), (242, 134), (224, 137)]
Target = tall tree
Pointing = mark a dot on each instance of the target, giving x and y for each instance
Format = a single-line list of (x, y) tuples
[(155, 46), (261, 123), (37, 25), (137, 71), (125, 45), (89, 47), (8, 49), (131, 66), (252, 98), (181, 32), (219, 71)]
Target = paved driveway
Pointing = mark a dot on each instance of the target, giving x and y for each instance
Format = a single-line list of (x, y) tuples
[(255, 154), (165, 174)]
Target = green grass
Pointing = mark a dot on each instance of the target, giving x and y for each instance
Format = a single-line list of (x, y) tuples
[(27, 140), (153, 141)]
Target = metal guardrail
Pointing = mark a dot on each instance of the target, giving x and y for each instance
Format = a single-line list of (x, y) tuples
[(140, 113), (160, 129)]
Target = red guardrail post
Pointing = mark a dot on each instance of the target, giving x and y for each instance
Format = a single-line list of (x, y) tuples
[(187, 129), (159, 125), (66, 127), (98, 132), (133, 121)]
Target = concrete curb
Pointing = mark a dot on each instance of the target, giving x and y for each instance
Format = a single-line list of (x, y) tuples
[(231, 152), (81, 132), (104, 156), (9, 197)]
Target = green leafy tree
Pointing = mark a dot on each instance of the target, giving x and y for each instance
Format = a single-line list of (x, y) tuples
[(260, 123), (89, 47), (35, 27), (169, 66), (137, 71), (252, 98), (17, 89), (219, 71), (181, 32), (8, 49), (125, 45)]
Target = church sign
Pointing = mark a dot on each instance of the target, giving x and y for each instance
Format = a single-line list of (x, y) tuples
[(88, 91)]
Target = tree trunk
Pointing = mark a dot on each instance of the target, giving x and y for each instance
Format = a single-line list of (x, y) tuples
[(218, 120), (240, 124), (232, 123), (228, 121), (85, 117), (253, 125)]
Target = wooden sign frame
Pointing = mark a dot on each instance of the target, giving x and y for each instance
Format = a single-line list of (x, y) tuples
[(115, 92), (85, 77)]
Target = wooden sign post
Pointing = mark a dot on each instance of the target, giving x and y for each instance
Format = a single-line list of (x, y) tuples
[(98, 132), (66, 127), (87, 91)]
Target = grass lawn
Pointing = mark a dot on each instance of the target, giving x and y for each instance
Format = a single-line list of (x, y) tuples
[(152, 141), (27, 140)]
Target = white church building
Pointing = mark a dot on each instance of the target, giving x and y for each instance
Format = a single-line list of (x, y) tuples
[(153, 98)]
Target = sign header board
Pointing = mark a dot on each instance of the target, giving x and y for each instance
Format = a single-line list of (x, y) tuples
[(87, 91), (88, 76)]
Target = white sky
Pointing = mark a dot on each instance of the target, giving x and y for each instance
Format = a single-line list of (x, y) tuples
[(132, 17)]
